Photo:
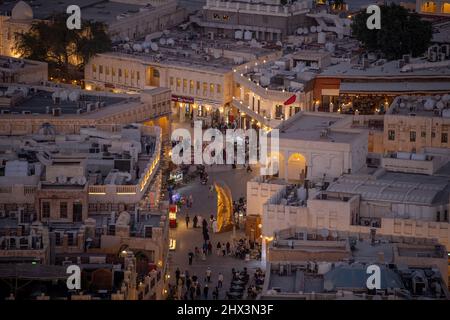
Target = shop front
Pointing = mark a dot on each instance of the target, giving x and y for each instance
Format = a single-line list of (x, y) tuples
[(183, 107)]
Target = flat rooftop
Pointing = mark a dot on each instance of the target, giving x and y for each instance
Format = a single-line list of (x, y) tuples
[(188, 49), (315, 127), (423, 106), (17, 99), (347, 70), (96, 10), (395, 187)]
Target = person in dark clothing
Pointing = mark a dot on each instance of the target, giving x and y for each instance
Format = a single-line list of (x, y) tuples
[(205, 224), (198, 291), (191, 256), (215, 293), (177, 275), (195, 221), (205, 292), (188, 283), (209, 248), (228, 246), (187, 221), (192, 292)]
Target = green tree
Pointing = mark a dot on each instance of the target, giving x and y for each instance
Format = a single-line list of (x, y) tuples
[(66, 51), (402, 32)]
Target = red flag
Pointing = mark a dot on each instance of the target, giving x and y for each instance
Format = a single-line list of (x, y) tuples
[(291, 100)]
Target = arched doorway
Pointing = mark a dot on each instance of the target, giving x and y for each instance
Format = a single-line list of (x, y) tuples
[(446, 7), (429, 7), (296, 167)]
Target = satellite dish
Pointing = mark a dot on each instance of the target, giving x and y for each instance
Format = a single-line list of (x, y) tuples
[(299, 30), (313, 29), (162, 41), (154, 46), (63, 95), (126, 46), (319, 28), (137, 47), (170, 42), (74, 96), (217, 55), (324, 233)]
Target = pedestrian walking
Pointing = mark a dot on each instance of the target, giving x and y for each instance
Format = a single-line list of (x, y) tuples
[(215, 293), (188, 283), (209, 248), (203, 255), (177, 275), (220, 280), (228, 246), (192, 292), (219, 247), (198, 290), (223, 251), (195, 220), (187, 220), (191, 256), (205, 291), (208, 274), (197, 253)]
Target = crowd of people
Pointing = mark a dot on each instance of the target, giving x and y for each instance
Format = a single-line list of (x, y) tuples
[(189, 287), (211, 286)]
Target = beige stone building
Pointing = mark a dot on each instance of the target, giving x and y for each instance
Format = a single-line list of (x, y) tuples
[(198, 71), (26, 109), (415, 123), (124, 20)]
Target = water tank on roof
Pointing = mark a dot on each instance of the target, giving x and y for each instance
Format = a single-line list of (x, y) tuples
[(330, 47), (321, 37), (301, 193), (403, 155), (429, 104), (248, 35)]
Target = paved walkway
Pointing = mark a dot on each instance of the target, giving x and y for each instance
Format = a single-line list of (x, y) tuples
[(205, 204)]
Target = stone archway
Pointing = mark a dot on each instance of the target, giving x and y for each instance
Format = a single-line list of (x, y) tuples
[(296, 170)]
